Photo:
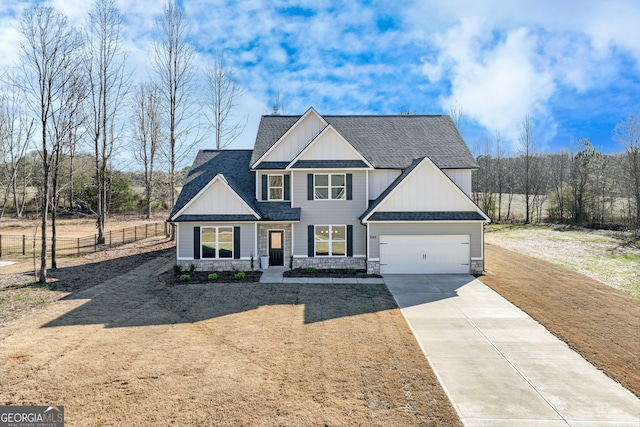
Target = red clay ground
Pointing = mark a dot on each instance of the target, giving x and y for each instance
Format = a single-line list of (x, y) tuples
[(599, 322)]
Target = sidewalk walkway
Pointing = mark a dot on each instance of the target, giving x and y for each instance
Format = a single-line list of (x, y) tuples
[(275, 275), (501, 368)]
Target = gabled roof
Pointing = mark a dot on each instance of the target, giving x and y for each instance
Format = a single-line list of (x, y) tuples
[(342, 144), (281, 133), (386, 142), (473, 214), (232, 167), (232, 164)]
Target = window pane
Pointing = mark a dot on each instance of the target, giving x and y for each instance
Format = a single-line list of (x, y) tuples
[(209, 250), (275, 181), (322, 193), (208, 234), (275, 194), (322, 248), (276, 240), (322, 233), (226, 250), (225, 234), (322, 180), (337, 193), (339, 233), (337, 249), (337, 180)]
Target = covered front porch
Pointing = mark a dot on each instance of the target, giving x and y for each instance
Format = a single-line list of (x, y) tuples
[(275, 241)]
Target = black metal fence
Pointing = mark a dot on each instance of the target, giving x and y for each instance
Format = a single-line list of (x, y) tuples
[(24, 245)]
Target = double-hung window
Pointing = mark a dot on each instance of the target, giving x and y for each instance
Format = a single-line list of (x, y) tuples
[(276, 187), (330, 240), (329, 186), (217, 242)]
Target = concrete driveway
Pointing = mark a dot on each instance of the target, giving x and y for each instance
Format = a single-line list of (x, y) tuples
[(499, 366)]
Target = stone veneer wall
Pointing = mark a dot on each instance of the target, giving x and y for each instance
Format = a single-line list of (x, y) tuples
[(263, 240), (330, 262), (477, 266), (373, 267), (220, 264)]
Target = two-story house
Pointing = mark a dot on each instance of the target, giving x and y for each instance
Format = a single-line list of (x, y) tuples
[(387, 193)]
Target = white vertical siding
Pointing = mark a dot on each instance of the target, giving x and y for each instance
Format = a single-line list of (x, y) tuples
[(379, 180), (330, 146), (302, 133), (461, 177), (217, 199), (425, 190)]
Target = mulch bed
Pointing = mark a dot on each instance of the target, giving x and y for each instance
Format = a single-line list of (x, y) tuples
[(170, 278), (340, 273)]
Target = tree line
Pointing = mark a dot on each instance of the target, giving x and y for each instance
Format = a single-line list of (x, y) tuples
[(69, 109), (581, 185)]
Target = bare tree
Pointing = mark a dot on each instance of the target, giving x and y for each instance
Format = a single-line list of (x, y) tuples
[(499, 172), (65, 122), (104, 62), (174, 67), (456, 114), (527, 153), (223, 93), (147, 134), (16, 131), (559, 166), (46, 58), (627, 133)]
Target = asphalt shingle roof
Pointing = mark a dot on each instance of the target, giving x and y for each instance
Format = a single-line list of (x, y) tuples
[(278, 211), (391, 187), (387, 142), (233, 164)]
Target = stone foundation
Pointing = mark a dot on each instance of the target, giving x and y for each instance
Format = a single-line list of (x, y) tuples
[(373, 267), (477, 266), (219, 264), (323, 263)]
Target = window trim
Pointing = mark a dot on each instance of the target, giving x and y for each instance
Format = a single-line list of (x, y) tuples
[(331, 255), (330, 187), (217, 242), (269, 187)]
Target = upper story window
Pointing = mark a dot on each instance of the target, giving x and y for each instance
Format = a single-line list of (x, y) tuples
[(329, 186), (276, 187)]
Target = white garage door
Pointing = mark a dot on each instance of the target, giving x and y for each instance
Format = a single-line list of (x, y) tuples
[(424, 254)]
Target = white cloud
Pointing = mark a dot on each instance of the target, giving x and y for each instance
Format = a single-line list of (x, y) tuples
[(506, 60)]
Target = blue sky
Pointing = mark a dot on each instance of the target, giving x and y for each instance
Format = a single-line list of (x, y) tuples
[(572, 66)]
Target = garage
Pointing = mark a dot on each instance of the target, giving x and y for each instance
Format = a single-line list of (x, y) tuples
[(424, 254)]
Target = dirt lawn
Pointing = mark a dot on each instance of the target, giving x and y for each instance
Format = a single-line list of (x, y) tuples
[(611, 257), (596, 320), (82, 226), (125, 348)]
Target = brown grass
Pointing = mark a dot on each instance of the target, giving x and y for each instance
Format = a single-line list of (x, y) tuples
[(599, 322), (124, 348), (74, 226)]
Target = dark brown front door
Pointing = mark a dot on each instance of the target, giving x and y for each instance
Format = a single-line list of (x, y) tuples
[(276, 248)]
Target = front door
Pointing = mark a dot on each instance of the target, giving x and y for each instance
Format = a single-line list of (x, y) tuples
[(276, 247)]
